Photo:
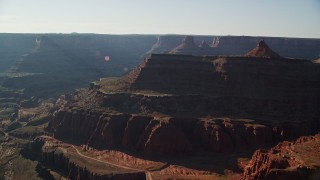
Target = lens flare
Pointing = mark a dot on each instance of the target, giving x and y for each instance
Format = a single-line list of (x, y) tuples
[(107, 58)]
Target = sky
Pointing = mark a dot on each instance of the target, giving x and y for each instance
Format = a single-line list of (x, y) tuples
[(280, 18)]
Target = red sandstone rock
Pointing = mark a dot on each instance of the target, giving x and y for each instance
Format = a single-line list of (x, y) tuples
[(174, 135), (162, 138), (212, 137), (135, 128), (280, 96), (262, 50), (287, 160)]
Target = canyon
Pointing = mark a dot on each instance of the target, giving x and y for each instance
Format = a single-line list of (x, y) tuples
[(182, 104), (165, 107)]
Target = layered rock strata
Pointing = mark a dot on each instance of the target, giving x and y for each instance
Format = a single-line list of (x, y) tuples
[(164, 136), (287, 160), (63, 159), (177, 104)]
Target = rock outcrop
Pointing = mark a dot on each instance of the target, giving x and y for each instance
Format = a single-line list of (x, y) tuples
[(187, 46), (263, 50), (287, 160)]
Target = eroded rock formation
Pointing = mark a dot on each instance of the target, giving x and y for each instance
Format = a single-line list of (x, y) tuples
[(263, 50), (156, 136), (182, 104), (287, 160)]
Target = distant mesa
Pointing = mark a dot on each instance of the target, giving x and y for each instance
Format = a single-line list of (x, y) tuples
[(262, 50), (187, 44), (189, 47)]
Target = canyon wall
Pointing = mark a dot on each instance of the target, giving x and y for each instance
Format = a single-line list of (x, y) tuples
[(155, 135), (280, 88), (174, 102)]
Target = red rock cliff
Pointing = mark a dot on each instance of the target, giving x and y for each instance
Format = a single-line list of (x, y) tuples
[(288, 160)]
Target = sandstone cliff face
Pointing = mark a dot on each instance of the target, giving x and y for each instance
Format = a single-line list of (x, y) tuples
[(247, 86), (150, 136), (269, 100), (135, 127), (140, 133), (288, 160)]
